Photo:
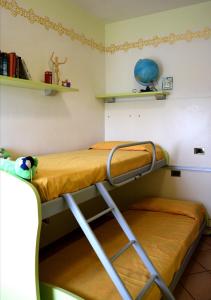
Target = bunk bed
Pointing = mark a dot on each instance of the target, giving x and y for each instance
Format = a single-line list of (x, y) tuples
[(35, 204)]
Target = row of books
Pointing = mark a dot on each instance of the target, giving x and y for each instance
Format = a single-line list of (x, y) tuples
[(13, 65)]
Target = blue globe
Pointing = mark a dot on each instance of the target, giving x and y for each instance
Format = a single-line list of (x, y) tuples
[(146, 72)]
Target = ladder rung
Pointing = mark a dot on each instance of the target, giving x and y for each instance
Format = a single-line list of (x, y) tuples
[(146, 287), (122, 250), (102, 213)]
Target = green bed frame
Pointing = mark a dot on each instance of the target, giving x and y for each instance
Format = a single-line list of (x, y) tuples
[(20, 224)]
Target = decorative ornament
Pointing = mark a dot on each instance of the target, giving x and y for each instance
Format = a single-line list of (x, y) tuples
[(56, 63)]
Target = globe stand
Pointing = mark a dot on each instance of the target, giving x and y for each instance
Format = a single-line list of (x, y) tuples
[(148, 89), (151, 88)]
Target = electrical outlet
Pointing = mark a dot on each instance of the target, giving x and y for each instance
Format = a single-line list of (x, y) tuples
[(175, 173), (198, 150)]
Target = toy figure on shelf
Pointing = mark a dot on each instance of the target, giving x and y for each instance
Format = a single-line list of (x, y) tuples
[(56, 63), (66, 83)]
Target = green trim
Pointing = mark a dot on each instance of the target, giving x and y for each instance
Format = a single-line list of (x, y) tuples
[(36, 85), (46, 291), (11, 294), (39, 209), (166, 155), (132, 95), (51, 292)]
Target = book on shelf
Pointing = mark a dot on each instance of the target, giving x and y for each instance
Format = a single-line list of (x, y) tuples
[(22, 73), (17, 67), (11, 64), (28, 75), (14, 66), (1, 63), (4, 66)]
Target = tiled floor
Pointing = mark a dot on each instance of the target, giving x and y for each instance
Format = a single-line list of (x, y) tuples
[(196, 280)]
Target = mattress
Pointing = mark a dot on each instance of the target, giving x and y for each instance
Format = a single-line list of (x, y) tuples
[(62, 173), (166, 229)]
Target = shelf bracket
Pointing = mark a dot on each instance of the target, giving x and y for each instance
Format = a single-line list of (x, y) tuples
[(110, 100), (48, 92), (160, 97)]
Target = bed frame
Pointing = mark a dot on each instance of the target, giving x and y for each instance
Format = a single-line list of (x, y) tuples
[(58, 205), (20, 243)]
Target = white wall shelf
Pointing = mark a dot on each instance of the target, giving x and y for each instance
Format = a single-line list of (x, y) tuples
[(110, 98)]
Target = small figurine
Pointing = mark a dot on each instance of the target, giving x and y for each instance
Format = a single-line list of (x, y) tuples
[(66, 83), (56, 64)]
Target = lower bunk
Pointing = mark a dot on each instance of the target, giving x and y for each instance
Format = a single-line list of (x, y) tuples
[(167, 229)]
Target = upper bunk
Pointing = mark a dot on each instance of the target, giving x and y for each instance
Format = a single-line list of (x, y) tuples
[(77, 172)]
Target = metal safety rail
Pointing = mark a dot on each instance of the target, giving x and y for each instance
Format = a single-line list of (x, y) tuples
[(117, 181)]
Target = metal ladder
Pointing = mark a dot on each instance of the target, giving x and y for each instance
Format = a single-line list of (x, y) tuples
[(108, 263)]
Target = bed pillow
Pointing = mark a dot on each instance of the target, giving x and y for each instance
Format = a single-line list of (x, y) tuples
[(107, 145), (111, 144), (160, 153), (194, 210)]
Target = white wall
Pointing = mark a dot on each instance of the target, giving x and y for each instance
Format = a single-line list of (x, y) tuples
[(181, 122), (32, 123)]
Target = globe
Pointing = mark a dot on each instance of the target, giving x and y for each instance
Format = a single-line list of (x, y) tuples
[(146, 72)]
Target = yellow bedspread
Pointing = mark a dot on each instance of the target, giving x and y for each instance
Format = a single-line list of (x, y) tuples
[(166, 237), (69, 172)]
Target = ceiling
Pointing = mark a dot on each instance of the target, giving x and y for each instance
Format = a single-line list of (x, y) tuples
[(116, 10)]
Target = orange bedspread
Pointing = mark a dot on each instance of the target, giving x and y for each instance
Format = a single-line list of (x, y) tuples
[(62, 173), (166, 230)]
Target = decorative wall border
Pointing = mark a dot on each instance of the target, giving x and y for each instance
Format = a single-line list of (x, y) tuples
[(46, 22), (155, 41)]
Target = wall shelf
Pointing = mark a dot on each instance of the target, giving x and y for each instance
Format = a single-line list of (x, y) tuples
[(49, 89), (110, 98)]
